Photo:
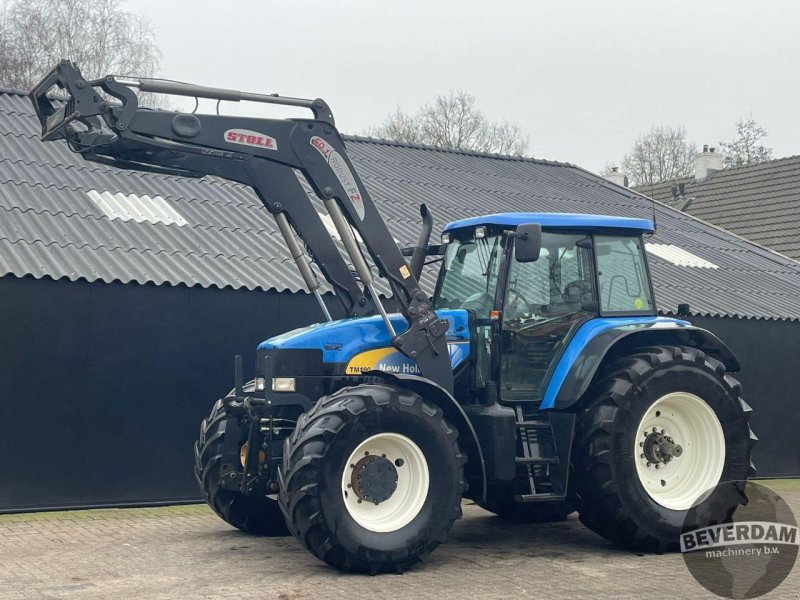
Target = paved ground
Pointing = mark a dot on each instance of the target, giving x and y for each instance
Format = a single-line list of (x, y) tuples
[(187, 552)]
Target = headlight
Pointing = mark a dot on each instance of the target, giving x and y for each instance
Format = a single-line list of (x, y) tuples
[(283, 384), (446, 238), (480, 233), (259, 384)]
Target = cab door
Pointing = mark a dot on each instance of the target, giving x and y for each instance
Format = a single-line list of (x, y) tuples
[(544, 302)]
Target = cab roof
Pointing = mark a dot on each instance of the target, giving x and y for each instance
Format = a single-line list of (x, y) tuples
[(555, 221)]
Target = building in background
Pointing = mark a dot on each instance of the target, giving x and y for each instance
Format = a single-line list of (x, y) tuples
[(759, 202), (124, 297)]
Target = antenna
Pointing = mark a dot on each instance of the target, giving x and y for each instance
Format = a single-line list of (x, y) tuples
[(653, 205)]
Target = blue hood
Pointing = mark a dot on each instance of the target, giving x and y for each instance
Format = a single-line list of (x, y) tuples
[(343, 339)]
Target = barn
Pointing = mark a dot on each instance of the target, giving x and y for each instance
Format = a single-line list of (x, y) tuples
[(125, 295)]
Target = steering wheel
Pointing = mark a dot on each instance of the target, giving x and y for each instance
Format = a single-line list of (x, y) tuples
[(575, 291), (513, 309)]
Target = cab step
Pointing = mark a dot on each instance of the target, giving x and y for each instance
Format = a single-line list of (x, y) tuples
[(535, 460), (544, 443), (539, 497), (533, 424)]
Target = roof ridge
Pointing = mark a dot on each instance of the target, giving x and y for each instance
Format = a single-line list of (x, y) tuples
[(389, 142), (725, 171), (12, 91), (462, 151)]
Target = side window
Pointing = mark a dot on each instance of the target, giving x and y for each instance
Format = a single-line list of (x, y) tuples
[(621, 274)]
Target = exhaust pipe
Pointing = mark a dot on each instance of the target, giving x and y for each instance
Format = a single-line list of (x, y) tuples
[(421, 249)]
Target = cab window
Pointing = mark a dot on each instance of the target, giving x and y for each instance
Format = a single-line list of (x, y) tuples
[(545, 301), (469, 275), (621, 275)]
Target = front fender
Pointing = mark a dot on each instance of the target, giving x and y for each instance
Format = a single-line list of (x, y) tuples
[(468, 438), (597, 338)]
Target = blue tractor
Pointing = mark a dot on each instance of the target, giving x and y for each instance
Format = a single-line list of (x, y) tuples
[(537, 380)]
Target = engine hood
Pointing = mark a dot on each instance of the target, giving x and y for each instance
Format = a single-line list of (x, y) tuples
[(364, 344)]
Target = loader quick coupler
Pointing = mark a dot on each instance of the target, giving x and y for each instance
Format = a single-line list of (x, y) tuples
[(374, 478), (659, 448)]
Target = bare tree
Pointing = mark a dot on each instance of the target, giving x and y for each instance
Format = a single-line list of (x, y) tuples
[(98, 35), (745, 148), (661, 154), (454, 121)]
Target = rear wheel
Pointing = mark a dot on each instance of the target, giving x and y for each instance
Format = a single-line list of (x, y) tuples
[(664, 426), (257, 515), (372, 479)]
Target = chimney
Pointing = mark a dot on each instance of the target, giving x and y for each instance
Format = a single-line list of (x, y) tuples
[(616, 176), (708, 161)]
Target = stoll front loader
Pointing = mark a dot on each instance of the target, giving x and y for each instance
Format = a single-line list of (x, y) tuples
[(538, 380)]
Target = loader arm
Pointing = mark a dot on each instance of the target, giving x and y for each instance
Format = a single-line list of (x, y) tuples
[(265, 154)]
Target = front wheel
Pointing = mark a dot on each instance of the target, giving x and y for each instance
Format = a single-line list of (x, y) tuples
[(258, 515), (372, 479), (661, 429)]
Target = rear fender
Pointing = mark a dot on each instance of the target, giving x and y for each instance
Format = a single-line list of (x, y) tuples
[(467, 437), (604, 340)]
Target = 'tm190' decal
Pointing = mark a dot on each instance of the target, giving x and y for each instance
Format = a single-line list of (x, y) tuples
[(342, 172), (245, 137)]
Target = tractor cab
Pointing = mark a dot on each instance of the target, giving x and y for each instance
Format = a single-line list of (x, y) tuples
[(532, 280)]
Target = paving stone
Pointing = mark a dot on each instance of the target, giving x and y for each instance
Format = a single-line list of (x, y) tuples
[(187, 552)]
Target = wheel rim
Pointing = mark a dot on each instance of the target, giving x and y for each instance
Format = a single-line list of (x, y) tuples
[(385, 482), (679, 450)]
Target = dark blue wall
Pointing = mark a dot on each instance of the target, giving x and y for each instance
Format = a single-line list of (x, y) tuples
[(103, 386), (770, 355)]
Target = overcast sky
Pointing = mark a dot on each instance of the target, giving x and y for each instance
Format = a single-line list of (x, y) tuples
[(582, 78)]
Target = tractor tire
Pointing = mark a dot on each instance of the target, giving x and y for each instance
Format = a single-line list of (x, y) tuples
[(501, 502), (664, 403), (255, 515), (372, 479)]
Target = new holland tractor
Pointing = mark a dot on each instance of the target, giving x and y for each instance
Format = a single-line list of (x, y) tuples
[(537, 380)]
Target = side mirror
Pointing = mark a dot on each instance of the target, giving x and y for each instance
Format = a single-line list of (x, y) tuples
[(528, 242)]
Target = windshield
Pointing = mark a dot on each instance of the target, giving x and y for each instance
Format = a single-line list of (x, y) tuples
[(468, 277)]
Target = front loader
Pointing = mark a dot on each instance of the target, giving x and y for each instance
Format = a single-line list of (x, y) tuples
[(537, 380)]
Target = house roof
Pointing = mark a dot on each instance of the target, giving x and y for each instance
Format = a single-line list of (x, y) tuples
[(759, 202), (64, 217)]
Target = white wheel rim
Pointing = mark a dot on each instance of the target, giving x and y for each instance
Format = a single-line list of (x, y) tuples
[(408, 497), (693, 425)]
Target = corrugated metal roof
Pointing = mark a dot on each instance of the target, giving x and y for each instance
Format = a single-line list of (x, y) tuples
[(49, 225)]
